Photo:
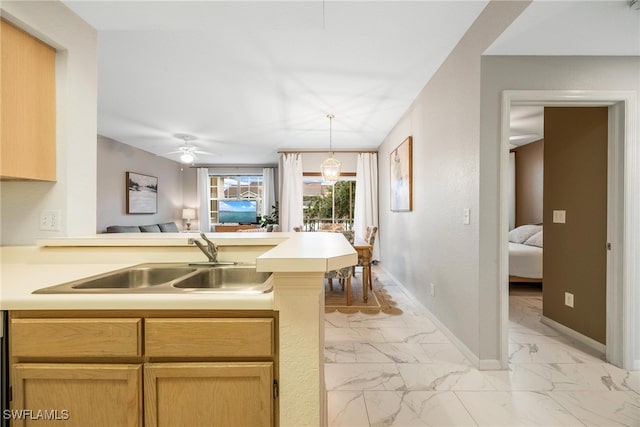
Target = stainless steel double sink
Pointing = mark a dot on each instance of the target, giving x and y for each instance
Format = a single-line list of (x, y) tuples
[(171, 277)]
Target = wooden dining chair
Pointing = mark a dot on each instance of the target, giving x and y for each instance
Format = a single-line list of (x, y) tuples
[(344, 274), (370, 238)]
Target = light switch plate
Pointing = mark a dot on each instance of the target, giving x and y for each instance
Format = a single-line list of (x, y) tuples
[(466, 216), (559, 217)]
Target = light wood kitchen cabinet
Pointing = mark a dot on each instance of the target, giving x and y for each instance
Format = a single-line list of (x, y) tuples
[(147, 367), (28, 99), (214, 394), (77, 337), (78, 395), (242, 337)]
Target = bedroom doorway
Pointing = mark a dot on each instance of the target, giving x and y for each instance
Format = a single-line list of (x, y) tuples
[(561, 184), (621, 341)]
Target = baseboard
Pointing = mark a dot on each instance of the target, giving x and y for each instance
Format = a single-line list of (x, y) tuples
[(589, 342), (485, 364), (490, 365)]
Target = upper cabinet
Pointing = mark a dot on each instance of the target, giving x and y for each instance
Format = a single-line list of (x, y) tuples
[(28, 107)]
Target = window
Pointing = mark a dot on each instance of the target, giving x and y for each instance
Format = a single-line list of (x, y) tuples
[(241, 187), (318, 202)]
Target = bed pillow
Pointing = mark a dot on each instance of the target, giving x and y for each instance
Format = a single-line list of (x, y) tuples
[(535, 240), (522, 233)]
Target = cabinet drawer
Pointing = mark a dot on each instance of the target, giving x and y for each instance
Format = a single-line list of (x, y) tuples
[(238, 337), (76, 337)]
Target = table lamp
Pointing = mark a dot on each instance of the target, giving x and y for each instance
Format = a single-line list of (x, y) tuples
[(188, 214)]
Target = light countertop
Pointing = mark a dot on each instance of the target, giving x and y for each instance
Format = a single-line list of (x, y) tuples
[(17, 288), (56, 261), (165, 239)]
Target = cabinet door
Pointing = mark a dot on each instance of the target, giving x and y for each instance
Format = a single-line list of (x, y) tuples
[(208, 394), (28, 98), (79, 395)]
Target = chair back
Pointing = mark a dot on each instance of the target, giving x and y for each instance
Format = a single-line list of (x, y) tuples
[(350, 235), (370, 234), (331, 227)]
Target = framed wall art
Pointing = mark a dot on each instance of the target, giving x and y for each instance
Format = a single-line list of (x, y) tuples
[(142, 193), (401, 177)]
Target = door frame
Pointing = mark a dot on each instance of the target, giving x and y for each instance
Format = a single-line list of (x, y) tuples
[(623, 215)]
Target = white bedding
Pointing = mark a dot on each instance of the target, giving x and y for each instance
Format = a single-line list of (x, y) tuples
[(525, 261)]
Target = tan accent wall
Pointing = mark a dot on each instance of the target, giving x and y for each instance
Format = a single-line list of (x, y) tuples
[(575, 180), (529, 182)]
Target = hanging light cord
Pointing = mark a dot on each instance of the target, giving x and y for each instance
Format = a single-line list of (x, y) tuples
[(330, 116)]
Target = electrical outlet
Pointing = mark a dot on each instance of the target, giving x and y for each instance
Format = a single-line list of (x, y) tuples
[(50, 220), (432, 289), (568, 299)]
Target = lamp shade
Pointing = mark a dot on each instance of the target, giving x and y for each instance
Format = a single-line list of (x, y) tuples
[(188, 213)]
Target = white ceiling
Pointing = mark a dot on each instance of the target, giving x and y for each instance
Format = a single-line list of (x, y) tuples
[(249, 78), (527, 124)]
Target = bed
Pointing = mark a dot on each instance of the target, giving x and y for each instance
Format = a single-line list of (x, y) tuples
[(525, 254)]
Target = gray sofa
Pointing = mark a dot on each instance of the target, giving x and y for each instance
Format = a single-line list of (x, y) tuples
[(165, 227)]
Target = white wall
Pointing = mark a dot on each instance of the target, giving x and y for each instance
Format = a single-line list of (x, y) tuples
[(311, 161), (114, 160), (529, 73), (431, 244), (74, 193)]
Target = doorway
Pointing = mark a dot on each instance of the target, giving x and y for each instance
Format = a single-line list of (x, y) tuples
[(562, 172), (622, 279)]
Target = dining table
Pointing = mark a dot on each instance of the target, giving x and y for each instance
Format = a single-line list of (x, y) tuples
[(364, 251)]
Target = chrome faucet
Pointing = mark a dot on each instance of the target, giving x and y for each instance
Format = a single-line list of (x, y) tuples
[(211, 250)]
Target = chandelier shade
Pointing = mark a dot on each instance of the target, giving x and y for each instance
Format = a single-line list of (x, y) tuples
[(330, 170), (330, 167)]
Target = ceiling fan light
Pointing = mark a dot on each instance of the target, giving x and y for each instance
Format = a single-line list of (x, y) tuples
[(186, 157)]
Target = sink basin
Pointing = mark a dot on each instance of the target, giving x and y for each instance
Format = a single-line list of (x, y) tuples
[(169, 277), (136, 277), (226, 279)]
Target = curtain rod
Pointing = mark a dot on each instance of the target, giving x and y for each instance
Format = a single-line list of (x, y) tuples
[(231, 166), (325, 151)]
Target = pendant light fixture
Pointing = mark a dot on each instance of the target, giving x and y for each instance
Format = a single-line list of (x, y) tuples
[(330, 168)]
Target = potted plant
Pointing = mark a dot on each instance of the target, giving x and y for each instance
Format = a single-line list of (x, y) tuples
[(270, 219)]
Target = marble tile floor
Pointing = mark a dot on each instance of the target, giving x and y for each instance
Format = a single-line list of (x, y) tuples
[(385, 370)]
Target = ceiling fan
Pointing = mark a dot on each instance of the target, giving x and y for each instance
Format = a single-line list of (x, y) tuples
[(188, 153)]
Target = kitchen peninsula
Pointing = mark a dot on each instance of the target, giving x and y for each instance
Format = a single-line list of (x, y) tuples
[(297, 260)]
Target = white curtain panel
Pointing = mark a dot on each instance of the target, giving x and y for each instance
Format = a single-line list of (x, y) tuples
[(366, 204), (268, 190), (202, 182), (290, 191)]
